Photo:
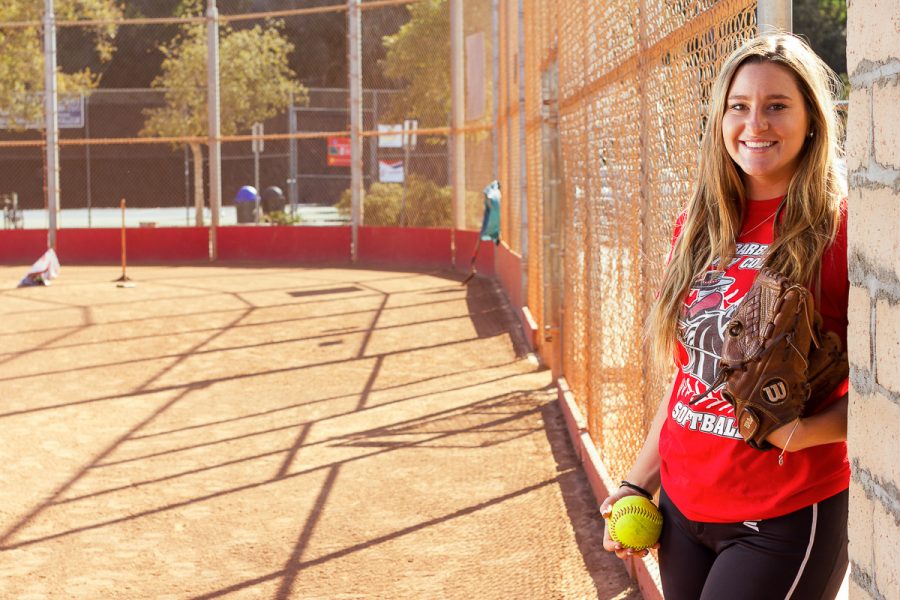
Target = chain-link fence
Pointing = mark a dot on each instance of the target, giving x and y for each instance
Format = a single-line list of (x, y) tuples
[(614, 99), (410, 172), (133, 112), (481, 87)]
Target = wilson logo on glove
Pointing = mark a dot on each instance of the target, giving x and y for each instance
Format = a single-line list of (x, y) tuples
[(775, 391)]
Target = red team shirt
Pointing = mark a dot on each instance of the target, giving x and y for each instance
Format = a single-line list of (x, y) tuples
[(707, 469)]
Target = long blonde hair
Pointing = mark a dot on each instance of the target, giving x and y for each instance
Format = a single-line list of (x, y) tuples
[(810, 214)]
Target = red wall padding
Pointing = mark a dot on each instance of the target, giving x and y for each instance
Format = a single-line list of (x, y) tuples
[(429, 248), (465, 248), (290, 244), (405, 246), (161, 244), (509, 271), (93, 245), (167, 244), (20, 246)]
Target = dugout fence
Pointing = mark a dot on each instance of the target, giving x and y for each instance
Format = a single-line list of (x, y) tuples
[(612, 119)]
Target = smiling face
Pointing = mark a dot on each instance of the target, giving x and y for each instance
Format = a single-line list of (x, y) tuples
[(765, 127)]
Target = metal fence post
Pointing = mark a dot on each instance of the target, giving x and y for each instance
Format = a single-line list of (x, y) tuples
[(215, 142), (354, 27), (292, 157), (495, 88), (524, 250), (774, 15), (553, 210), (457, 97), (51, 119), (354, 31), (87, 156), (187, 186), (373, 141)]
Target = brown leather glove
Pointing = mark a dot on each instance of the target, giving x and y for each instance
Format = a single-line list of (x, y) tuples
[(764, 361), (828, 367)]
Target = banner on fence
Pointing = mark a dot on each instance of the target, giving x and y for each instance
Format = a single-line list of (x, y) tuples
[(338, 151)]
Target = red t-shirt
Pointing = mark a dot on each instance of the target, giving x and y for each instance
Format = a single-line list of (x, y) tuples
[(707, 469)]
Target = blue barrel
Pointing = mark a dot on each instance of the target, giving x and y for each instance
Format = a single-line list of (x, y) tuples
[(245, 203)]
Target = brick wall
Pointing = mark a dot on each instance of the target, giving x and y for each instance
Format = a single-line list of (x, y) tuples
[(873, 161)]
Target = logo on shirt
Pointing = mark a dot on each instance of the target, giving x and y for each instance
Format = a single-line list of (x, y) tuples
[(722, 425), (703, 323), (749, 254), (710, 304)]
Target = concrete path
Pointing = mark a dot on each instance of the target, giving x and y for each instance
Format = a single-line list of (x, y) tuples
[(240, 432)]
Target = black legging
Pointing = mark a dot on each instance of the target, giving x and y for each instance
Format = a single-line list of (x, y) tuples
[(801, 555)]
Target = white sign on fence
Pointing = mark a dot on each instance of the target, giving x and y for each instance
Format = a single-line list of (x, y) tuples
[(390, 171), (390, 136), (409, 132), (70, 111), (257, 144)]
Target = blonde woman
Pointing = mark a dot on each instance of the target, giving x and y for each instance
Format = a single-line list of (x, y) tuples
[(740, 523)]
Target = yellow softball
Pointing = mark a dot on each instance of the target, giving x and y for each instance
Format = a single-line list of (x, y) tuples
[(635, 522)]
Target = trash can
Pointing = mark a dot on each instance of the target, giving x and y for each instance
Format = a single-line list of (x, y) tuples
[(245, 203), (273, 200)]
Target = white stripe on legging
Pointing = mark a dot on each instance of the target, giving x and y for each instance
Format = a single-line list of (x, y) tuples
[(812, 539)]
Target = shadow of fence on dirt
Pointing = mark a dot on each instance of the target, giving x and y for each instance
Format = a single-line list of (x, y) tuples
[(490, 420)]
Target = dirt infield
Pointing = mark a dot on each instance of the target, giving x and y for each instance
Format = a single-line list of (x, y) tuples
[(237, 432)]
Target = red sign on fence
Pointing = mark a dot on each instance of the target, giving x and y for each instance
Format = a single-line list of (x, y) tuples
[(338, 151)]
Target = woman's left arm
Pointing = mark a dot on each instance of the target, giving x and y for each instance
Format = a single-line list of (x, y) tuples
[(825, 427)]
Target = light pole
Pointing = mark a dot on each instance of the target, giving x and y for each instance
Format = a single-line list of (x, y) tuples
[(774, 15)]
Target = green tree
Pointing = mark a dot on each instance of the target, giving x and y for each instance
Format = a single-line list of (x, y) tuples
[(22, 58), (418, 55), (138, 57), (418, 59), (425, 204), (256, 83), (824, 24), (320, 58)]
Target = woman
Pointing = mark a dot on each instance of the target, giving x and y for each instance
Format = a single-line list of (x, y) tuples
[(737, 524)]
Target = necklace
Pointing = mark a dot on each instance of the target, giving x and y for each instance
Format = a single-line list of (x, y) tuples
[(758, 225)]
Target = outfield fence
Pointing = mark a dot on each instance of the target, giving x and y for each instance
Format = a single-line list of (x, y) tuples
[(133, 94)]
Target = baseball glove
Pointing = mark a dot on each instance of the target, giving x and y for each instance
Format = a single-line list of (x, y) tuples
[(828, 366), (765, 356)]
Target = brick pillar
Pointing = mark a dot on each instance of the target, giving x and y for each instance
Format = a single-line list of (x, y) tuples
[(873, 161)]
